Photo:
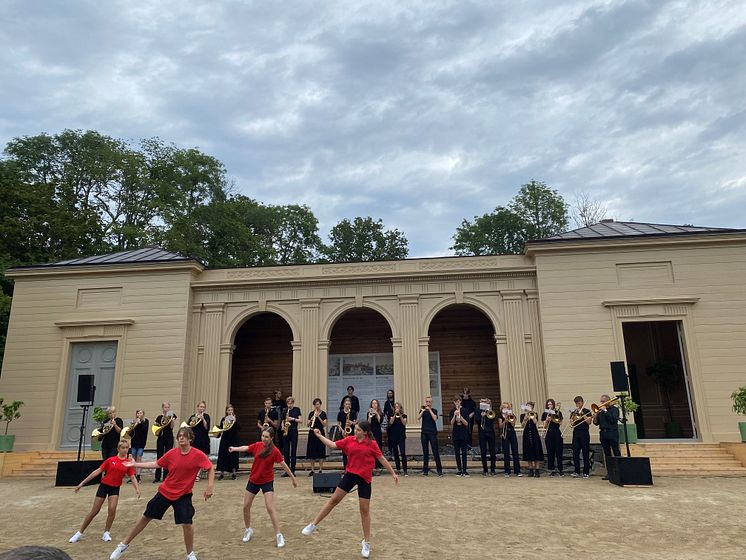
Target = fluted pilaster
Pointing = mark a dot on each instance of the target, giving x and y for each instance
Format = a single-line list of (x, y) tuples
[(209, 377), (408, 378), (520, 388)]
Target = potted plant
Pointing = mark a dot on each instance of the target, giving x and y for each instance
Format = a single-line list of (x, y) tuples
[(8, 413), (664, 374), (739, 407), (99, 417), (630, 406)]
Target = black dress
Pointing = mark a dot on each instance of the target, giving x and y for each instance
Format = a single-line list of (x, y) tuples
[(375, 425), (201, 434), (316, 449), (228, 462), (532, 450)]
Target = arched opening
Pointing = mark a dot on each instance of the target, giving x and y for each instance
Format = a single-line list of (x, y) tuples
[(361, 355), (262, 363), (463, 354)]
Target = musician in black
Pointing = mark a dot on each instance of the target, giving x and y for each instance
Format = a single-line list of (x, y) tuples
[(506, 425), (398, 436), (532, 451), (352, 398), (581, 438), (552, 418), (429, 436), (388, 412), (290, 439), (201, 429), (227, 461), (110, 441), (346, 419), (468, 404), (485, 420), (164, 442), (268, 417), (139, 438), (279, 406), (315, 449), (607, 420), (460, 434)]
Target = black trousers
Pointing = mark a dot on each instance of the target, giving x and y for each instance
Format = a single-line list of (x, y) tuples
[(430, 440), (510, 445), (487, 441), (290, 449), (554, 450), (400, 447), (610, 444), (163, 444), (581, 444), (460, 447)]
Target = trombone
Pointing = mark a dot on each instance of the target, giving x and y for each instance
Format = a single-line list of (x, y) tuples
[(509, 418), (595, 408), (576, 419)]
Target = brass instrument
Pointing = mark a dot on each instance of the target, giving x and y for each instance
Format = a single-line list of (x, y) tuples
[(286, 424), (489, 414), (192, 423), (595, 408), (557, 416), (576, 419), (508, 419), (348, 425), (312, 421), (228, 423), (128, 429), (265, 424), (529, 416), (423, 408), (165, 422), (98, 434)]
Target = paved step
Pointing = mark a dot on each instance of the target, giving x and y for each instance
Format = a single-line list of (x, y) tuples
[(690, 459)]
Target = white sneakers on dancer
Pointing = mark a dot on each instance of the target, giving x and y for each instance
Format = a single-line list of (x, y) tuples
[(118, 551), (365, 550), (247, 534), (308, 529), (106, 537), (191, 556), (280, 540), (76, 537)]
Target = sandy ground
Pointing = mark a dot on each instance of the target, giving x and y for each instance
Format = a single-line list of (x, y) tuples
[(678, 518)]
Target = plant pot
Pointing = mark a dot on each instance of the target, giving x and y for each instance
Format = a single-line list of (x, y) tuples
[(95, 445), (673, 429), (6, 443), (742, 428), (631, 433)]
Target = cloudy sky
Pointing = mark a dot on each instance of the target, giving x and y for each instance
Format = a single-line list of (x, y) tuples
[(419, 113)]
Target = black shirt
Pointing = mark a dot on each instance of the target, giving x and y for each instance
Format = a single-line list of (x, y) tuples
[(552, 426), (608, 420), (469, 405), (583, 428), (273, 415), (140, 434), (167, 432), (485, 424), (429, 426), (388, 408), (354, 401), (111, 438), (460, 431), (397, 429), (293, 413)]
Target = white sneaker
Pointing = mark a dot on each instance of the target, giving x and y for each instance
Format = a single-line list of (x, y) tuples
[(191, 556), (247, 534), (365, 550), (280, 540), (118, 551), (106, 537), (308, 529), (76, 537)]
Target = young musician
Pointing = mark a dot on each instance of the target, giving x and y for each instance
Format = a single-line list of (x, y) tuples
[(139, 438), (278, 405), (262, 478), (486, 433), (362, 451), (355, 402), (114, 471), (388, 412), (532, 451), (607, 420), (460, 425), (278, 402), (268, 417), (506, 425), (468, 404), (200, 422), (581, 437), (346, 420), (428, 416), (375, 417), (183, 464), (111, 439), (290, 432), (398, 436), (315, 449), (164, 442), (228, 461), (552, 418)]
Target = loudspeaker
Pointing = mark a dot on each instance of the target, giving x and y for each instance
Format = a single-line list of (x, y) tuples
[(85, 389), (71, 473), (624, 471), (326, 483), (619, 377)]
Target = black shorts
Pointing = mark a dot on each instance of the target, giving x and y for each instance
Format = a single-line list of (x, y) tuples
[(349, 481), (266, 487), (106, 490), (183, 508)]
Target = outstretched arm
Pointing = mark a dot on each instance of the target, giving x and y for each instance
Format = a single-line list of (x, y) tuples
[(240, 449), (326, 441), (148, 465), (87, 479)]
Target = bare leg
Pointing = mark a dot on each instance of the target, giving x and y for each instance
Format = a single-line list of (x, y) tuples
[(111, 512), (137, 529), (321, 464), (97, 503), (365, 517), (269, 502), (331, 503), (188, 537), (248, 499)]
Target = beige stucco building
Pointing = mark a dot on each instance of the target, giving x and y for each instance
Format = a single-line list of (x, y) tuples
[(153, 326)]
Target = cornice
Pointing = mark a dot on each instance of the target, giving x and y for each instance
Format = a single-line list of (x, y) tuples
[(651, 301), (102, 270), (93, 323)]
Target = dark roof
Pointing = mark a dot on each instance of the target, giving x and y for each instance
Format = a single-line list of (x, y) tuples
[(146, 255), (611, 229)]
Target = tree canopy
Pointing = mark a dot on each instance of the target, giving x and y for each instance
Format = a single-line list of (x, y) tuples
[(365, 239)]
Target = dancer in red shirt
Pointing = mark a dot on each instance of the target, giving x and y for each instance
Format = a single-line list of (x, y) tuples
[(362, 451), (114, 472), (183, 464), (262, 478)]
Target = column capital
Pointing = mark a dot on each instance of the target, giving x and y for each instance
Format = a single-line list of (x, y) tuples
[(409, 299), (310, 303), (227, 348), (396, 342), (213, 307), (501, 338), (532, 294), (512, 295), (324, 344), (424, 341), (296, 344)]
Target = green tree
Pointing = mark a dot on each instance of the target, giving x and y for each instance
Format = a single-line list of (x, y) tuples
[(543, 210), (365, 239), (294, 234)]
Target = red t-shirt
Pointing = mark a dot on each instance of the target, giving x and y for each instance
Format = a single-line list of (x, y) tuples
[(361, 456), (114, 471), (182, 470), (263, 469)]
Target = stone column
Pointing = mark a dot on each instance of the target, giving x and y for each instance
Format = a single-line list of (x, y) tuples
[(320, 381), (538, 378), (517, 363), (503, 367), (209, 377), (409, 391), (306, 375), (226, 364)]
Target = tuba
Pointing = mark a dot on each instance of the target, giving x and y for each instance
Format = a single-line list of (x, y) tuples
[(228, 423), (165, 422), (98, 434)]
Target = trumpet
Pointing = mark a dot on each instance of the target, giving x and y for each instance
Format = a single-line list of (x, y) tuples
[(228, 423), (194, 419), (595, 408), (98, 434), (423, 408), (164, 423)]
